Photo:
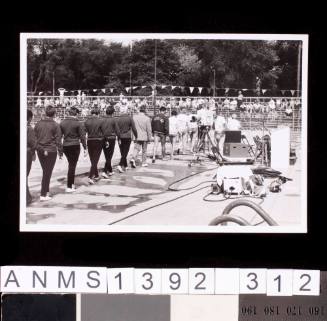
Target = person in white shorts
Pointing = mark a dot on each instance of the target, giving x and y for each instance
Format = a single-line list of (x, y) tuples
[(192, 129), (219, 127), (182, 123), (173, 131)]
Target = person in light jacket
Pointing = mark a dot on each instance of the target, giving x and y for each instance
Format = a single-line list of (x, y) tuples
[(144, 133)]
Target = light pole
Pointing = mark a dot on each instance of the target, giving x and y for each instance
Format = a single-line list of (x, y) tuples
[(155, 76), (53, 84), (214, 82), (130, 81)]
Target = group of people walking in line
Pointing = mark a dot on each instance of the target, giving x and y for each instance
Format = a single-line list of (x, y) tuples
[(50, 139)]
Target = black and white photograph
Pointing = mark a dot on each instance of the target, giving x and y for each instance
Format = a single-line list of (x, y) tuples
[(173, 133)]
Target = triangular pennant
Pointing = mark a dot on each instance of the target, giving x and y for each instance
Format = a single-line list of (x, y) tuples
[(200, 89), (292, 92), (173, 87), (95, 90), (264, 90), (163, 86), (40, 93), (111, 90), (283, 92), (103, 90), (143, 87), (128, 89), (226, 90), (191, 89), (135, 87)]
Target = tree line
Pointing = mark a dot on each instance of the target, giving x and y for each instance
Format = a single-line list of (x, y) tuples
[(90, 63)]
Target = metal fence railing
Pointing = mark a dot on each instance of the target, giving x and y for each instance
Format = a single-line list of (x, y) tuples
[(287, 111)]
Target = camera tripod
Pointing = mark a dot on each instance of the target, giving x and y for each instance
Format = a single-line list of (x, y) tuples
[(263, 145), (203, 139)]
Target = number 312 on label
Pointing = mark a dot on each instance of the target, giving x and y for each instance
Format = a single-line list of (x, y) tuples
[(214, 281)]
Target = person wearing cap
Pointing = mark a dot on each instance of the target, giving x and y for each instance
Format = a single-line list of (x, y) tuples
[(73, 134), (160, 129), (48, 145), (144, 133), (30, 157), (126, 127), (110, 131), (94, 142)]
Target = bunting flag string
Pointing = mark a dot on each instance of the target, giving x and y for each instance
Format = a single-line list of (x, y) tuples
[(62, 91)]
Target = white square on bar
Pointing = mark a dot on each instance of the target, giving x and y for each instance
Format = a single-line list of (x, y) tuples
[(306, 282), (202, 281), (174, 281), (227, 281), (280, 282), (53, 279), (120, 280), (253, 281), (147, 281)]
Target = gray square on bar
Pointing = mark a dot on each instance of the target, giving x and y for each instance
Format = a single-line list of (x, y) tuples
[(103, 307)]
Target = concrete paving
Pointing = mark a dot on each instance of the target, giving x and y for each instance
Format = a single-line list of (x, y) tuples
[(140, 196)]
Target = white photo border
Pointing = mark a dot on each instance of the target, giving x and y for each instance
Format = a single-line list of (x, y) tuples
[(24, 227)]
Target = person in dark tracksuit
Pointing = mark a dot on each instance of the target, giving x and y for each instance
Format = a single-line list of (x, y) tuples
[(73, 133), (31, 147), (109, 130), (48, 143), (94, 142), (126, 127), (160, 129)]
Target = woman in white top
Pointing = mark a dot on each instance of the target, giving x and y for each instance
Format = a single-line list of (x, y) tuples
[(173, 131)]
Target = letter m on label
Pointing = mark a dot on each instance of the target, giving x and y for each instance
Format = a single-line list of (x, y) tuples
[(64, 281)]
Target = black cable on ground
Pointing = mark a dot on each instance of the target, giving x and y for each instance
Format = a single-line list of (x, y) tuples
[(230, 198), (157, 205)]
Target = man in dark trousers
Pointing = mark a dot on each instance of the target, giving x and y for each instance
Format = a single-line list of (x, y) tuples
[(160, 129), (48, 143), (110, 131), (94, 142), (126, 127), (31, 147), (73, 135)]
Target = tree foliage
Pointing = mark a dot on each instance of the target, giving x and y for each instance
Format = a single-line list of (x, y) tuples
[(90, 63)]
